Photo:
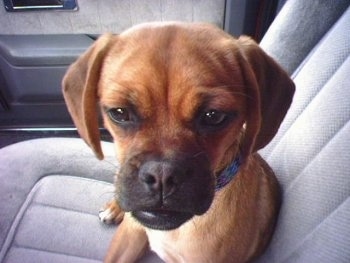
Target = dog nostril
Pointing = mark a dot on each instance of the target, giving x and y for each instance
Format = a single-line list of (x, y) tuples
[(170, 181), (149, 179)]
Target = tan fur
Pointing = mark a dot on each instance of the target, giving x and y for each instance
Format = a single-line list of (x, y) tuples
[(168, 72)]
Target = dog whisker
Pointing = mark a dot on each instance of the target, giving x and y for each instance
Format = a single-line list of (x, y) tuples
[(194, 223), (106, 193), (239, 93), (230, 86), (198, 154), (111, 163)]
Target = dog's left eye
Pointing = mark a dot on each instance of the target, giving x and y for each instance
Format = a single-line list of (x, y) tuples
[(213, 118), (119, 115)]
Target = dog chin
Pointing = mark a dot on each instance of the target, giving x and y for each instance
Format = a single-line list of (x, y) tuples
[(162, 219)]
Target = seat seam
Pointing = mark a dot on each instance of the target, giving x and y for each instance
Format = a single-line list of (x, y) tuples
[(331, 75), (9, 241), (53, 252), (35, 203), (18, 218), (296, 179), (316, 228)]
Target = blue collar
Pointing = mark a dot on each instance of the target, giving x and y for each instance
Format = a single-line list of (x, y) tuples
[(227, 175)]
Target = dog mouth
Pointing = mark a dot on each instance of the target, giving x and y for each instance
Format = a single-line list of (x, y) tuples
[(161, 219)]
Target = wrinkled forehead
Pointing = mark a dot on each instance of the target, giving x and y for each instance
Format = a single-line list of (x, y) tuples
[(175, 49), (177, 37), (171, 59)]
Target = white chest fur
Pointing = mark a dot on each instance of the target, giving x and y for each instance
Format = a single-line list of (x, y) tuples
[(164, 246)]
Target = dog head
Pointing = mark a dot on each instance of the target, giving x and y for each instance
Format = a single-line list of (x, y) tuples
[(181, 102)]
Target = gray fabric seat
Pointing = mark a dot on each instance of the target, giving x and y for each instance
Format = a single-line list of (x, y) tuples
[(52, 189), (310, 153), (51, 192)]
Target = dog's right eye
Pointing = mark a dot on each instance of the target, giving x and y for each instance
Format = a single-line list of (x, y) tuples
[(119, 115)]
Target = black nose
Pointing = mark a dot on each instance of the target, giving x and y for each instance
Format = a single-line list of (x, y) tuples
[(162, 176)]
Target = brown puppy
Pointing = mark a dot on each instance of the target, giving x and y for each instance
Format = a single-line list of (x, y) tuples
[(188, 106)]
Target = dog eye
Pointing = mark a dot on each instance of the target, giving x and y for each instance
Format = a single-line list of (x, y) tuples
[(213, 118), (119, 115)]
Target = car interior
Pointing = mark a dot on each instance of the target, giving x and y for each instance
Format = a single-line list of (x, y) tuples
[(51, 184)]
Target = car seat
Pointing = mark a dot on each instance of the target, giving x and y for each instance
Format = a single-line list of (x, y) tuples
[(52, 189)]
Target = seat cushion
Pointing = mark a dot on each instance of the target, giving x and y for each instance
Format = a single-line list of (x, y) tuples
[(298, 28), (51, 192), (58, 221), (310, 155)]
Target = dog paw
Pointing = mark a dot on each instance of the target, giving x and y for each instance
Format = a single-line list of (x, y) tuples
[(111, 213)]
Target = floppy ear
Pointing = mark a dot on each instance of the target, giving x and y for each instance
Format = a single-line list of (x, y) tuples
[(80, 88), (269, 95)]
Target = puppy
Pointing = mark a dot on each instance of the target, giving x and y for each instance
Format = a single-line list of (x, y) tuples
[(188, 107)]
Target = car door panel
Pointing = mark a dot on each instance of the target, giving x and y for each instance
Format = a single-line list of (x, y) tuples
[(32, 67)]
